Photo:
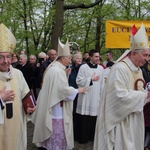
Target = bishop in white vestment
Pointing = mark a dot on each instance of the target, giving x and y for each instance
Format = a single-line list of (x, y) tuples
[(53, 115), (13, 120), (120, 122)]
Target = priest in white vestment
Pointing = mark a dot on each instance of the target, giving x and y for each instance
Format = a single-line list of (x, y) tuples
[(120, 122), (90, 76), (53, 116), (13, 87)]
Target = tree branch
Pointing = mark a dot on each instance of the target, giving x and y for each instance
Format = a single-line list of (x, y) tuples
[(82, 5)]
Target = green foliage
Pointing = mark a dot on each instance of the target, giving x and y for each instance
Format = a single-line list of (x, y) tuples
[(32, 22)]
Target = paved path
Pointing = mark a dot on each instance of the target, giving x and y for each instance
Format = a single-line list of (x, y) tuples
[(31, 146)]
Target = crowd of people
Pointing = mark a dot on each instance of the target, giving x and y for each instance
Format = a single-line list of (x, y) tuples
[(33, 67), (79, 97)]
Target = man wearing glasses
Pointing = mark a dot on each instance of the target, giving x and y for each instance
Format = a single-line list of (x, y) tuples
[(13, 88)]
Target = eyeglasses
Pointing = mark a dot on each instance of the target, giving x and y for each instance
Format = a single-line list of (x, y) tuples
[(2, 58)]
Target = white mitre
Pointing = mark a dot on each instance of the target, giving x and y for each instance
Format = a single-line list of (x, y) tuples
[(63, 50), (138, 41)]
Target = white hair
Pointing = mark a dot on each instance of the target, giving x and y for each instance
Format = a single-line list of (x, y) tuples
[(41, 55), (75, 56), (24, 56)]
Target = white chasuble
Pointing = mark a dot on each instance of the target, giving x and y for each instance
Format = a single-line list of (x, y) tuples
[(13, 134), (55, 89), (120, 122)]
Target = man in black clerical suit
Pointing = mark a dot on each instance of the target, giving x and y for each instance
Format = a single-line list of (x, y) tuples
[(25, 68)]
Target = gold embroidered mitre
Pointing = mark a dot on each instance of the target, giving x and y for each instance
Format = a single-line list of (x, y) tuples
[(63, 50), (139, 39), (7, 39)]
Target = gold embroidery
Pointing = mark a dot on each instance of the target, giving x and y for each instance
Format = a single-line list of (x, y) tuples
[(7, 40)]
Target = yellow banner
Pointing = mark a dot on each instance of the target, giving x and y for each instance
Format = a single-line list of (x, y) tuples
[(118, 32)]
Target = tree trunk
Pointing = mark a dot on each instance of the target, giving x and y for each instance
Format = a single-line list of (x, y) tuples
[(25, 25), (58, 27), (98, 28)]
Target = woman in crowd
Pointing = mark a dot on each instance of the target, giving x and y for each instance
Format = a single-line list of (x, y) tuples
[(76, 63)]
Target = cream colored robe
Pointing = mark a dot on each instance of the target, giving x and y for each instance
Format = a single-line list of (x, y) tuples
[(120, 122), (55, 89), (13, 134), (105, 76)]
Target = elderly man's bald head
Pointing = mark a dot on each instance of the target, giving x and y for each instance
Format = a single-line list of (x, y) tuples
[(52, 54)]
